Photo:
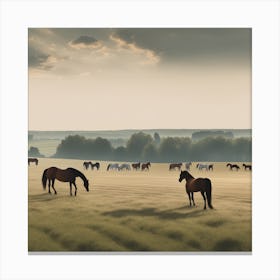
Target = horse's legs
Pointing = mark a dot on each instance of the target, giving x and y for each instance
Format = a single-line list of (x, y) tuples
[(49, 185), (203, 195), (192, 198), (75, 188), (53, 186), (70, 184)]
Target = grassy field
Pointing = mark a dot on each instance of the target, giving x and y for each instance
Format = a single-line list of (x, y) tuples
[(139, 211)]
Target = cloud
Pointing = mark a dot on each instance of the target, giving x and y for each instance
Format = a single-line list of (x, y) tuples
[(37, 58), (126, 40), (84, 42)]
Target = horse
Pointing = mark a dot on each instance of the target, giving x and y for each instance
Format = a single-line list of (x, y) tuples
[(113, 166), (173, 166), (232, 166), (136, 166), (145, 166), (124, 166), (201, 166), (63, 175), (188, 165), (247, 166), (97, 165), (202, 185), (33, 160), (86, 164)]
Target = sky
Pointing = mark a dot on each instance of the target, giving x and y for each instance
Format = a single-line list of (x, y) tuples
[(144, 78)]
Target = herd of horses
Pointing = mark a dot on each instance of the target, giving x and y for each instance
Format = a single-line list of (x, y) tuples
[(202, 185), (147, 165)]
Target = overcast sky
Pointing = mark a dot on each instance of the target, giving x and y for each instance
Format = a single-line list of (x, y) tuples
[(94, 78)]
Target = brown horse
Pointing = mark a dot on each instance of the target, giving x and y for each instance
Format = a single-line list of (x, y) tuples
[(63, 175), (173, 166), (86, 164), (33, 160), (202, 185), (97, 165), (136, 166), (247, 166), (145, 166), (232, 166)]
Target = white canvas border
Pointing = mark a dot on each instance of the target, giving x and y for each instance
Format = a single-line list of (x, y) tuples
[(17, 16)]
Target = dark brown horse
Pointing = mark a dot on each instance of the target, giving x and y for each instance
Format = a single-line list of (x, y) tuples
[(63, 175), (145, 166), (173, 166), (232, 166), (247, 166), (136, 166), (97, 165), (33, 160), (202, 185), (86, 164)]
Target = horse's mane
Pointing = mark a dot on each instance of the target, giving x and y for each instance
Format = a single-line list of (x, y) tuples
[(188, 174), (80, 174)]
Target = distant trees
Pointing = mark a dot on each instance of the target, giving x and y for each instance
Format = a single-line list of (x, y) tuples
[(34, 152), (211, 133), (144, 147), (76, 146), (156, 138)]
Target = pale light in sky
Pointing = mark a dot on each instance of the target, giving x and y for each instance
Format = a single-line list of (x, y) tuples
[(101, 79)]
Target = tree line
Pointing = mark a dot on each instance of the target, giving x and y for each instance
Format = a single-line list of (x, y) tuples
[(144, 147)]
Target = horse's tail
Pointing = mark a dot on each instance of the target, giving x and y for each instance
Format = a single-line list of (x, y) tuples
[(44, 179), (108, 166), (209, 193)]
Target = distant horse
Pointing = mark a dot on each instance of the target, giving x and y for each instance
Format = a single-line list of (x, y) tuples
[(201, 166), (232, 166), (136, 166), (33, 160), (202, 185), (86, 164), (173, 166), (145, 166), (113, 166), (188, 165), (63, 175), (247, 166), (97, 165), (125, 166)]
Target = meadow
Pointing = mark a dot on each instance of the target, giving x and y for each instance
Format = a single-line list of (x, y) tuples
[(133, 211)]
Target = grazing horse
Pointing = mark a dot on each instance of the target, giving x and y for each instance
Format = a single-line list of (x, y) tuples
[(232, 166), (97, 165), (136, 166), (125, 166), (188, 165), (63, 175), (173, 166), (114, 166), (202, 185), (145, 166), (247, 166), (33, 160), (86, 164)]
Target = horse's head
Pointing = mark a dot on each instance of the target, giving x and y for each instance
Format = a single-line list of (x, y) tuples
[(182, 176), (86, 185)]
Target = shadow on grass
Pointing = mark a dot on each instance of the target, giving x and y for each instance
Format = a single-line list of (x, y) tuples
[(43, 197), (153, 212)]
